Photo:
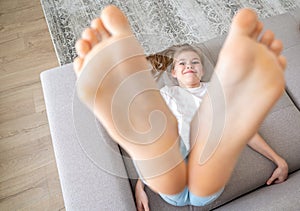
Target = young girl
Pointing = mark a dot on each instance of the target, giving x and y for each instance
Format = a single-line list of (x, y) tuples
[(115, 83), (184, 99)]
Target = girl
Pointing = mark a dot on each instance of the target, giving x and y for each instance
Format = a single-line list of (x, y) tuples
[(184, 99), (114, 82)]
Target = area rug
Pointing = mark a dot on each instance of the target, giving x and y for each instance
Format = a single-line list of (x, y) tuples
[(156, 24)]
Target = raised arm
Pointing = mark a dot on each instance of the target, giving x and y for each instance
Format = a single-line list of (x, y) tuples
[(281, 172)]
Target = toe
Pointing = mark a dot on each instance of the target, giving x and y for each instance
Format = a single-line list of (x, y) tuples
[(90, 35), (99, 27), (276, 46), (115, 21), (245, 22), (258, 30), (267, 38), (82, 48), (282, 61), (77, 64)]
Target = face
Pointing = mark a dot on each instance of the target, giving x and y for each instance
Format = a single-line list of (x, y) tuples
[(188, 69)]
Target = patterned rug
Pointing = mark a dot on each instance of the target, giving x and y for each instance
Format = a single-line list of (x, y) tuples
[(156, 24)]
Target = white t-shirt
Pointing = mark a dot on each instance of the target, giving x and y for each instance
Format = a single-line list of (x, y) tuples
[(184, 102)]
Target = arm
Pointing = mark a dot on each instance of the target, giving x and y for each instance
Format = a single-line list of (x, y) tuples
[(281, 172), (141, 197)]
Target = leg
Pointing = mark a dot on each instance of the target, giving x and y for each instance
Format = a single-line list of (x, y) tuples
[(114, 81), (250, 74)]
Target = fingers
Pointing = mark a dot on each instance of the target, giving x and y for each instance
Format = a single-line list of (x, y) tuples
[(274, 176), (278, 176), (139, 206), (271, 180), (141, 200), (146, 207), (142, 206)]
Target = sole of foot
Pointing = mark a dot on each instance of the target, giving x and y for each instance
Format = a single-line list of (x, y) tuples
[(115, 82)]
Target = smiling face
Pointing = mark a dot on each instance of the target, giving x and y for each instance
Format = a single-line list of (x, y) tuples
[(188, 69)]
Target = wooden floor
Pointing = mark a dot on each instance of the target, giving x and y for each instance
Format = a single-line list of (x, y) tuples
[(28, 173)]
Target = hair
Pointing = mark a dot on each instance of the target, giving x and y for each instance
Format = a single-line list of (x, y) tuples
[(162, 60)]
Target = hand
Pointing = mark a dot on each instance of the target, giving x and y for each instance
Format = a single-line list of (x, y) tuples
[(141, 198), (280, 174)]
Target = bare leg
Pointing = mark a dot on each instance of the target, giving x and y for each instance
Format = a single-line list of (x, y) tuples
[(254, 71), (114, 81), (251, 76)]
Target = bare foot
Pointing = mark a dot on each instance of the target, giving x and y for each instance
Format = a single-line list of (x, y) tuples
[(250, 77), (248, 80), (251, 71), (114, 81)]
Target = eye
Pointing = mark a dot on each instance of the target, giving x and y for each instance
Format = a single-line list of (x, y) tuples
[(196, 62), (181, 63)]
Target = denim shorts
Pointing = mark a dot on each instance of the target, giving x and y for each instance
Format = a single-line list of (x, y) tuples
[(188, 198), (185, 197)]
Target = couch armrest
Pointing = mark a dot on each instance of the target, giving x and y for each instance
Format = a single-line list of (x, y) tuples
[(90, 167)]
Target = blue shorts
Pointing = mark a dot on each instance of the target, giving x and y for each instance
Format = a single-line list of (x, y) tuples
[(188, 198), (185, 197)]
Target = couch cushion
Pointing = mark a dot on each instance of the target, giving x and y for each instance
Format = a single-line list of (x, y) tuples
[(293, 68), (284, 196), (292, 73), (285, 27), (85, 186), (296, 15), (78, 143), (280, 128), (281, 131)]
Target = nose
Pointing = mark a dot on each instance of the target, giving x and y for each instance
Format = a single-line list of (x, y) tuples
[(188, 66)]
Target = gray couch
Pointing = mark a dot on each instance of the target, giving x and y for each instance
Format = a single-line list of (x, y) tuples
[(94, 171)]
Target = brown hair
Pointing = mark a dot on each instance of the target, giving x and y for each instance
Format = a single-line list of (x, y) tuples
[(162, 60)]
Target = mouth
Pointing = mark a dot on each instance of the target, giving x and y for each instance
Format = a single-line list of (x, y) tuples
[(189, 71)]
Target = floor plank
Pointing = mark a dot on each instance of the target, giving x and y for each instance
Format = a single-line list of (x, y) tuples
[(28, 172), (25, 158)]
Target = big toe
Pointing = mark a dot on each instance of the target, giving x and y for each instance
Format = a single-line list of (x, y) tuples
[(244, 22), (115, 21)]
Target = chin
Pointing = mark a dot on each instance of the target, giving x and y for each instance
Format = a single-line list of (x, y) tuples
[(191, 82)]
